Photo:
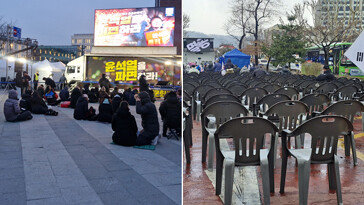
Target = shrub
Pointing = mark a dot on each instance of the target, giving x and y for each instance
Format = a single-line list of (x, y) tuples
[(311, 69)]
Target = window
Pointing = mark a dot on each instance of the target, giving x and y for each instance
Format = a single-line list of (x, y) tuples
[(78, 69), (70, 69)]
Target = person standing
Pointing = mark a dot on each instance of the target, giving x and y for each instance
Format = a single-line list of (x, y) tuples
[(35, 80), (104, 82), (19, 83), (26, 80), (62, 81)]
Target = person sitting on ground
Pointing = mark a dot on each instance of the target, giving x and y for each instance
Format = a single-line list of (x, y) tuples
[(105, 111), (115, 103), (326, 75), (25, 101), (124, 126), (49, 82), (41, 91), (170, 111), (114, 92), (64, 94), (103, 94), (51, 97), (76, 93), (39, 106), (82, 112), (86, 88), (12, 110), (92, 96), (150, 124)]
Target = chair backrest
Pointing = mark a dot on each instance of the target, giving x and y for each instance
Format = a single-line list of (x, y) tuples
[(346, 108), (326, 88), (271, 88), (290, 113), (253, 95), (223, 111), (188, 88), (324, 131), (202, 90), (187, 97), (213, 92), (271, 99), (291, 92), (345, 92), (248, 134), (237, 90), (221, 98), (316, 102)]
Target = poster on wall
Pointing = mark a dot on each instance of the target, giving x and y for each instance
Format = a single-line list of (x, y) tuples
[(129, 69), (134, 27)]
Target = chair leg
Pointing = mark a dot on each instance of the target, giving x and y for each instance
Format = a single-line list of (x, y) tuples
[(198, 111), (283, 170), (352, 144), (302, 136), (346, 145), (266, 181), (362, 121), (204, 147), (275, 152), (331, 173), (210, 162), (337, 179), (187, 149), (297, 141), (303, 180), (219, 167), (229, 181)]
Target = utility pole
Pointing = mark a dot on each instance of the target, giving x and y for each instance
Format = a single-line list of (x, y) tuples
[(7, 49)]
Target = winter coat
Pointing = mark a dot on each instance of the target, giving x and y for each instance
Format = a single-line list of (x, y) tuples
[(49, 81), (64, 94), (11, 106), (104, 82), (116, 103), (25, 103), (125, 128), (19, 80), (92, 96), (51, 97), (149, 114), (170, 111), (217, 67), (81, 110), (131, 100), (41, 91), (143, 85), (38, 105), (229, 64), (75, 95), (105, 112)]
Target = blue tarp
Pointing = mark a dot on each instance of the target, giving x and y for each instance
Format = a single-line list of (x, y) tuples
[(237, 58)]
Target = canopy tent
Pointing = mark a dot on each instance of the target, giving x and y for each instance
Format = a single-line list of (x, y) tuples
[(46, 68), (237, 58)]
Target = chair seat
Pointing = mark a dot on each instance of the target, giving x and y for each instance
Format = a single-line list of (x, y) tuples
[(304, 154)]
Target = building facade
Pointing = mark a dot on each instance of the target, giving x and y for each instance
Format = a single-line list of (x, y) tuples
[(342, 9), (85, 42), (63, 54)]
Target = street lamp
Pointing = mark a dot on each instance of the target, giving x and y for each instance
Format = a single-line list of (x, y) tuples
[(11, 59), (22, 60)]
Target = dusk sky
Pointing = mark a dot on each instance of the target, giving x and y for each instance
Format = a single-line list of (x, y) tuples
[(53, 22)]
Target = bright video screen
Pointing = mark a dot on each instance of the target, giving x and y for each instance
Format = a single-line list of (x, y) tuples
[(134, 27), (129, 69)]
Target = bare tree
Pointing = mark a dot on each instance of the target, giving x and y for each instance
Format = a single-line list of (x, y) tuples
[(247, 18), (3, 33), (330, 26), (186, 24)]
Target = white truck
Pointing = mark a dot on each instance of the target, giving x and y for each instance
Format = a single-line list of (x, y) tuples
[(76, 69)]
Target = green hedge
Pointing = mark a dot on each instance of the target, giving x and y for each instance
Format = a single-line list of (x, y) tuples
[(311, 69)]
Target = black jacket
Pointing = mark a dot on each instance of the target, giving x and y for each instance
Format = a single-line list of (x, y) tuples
[(41, 91), (64, 94), (38, 105), (170, 111), (75, 95), (125, 128), (104, 82), (93, 96), (143, 85), (25, 103), (149, 114), (105, 113), (49, 81), (116, 103), (81, 110), (326, 76)]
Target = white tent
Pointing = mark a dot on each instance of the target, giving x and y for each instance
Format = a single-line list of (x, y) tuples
[(45, 69)]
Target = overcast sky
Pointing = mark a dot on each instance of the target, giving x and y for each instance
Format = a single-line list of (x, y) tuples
[(53, 22), (209, 16)]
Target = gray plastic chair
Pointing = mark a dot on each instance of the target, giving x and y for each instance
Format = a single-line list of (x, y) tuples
[(217, 114), (347, 109), (221, 98), (267, 101), (290, 91), (245, 132), (251, 96), (213, 92), (198, 93), (325, 131), (316, 102)]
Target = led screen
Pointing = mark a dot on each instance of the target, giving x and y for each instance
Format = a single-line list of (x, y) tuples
[(134, 27)]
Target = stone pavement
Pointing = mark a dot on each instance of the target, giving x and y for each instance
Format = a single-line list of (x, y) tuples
[(58, 160)]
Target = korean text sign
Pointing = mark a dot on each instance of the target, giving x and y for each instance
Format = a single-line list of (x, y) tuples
[(134, 27)]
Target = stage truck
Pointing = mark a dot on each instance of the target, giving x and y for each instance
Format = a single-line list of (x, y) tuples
[(162, 73)]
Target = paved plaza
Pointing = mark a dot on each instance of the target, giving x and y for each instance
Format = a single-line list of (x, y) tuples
[(59, 160)]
